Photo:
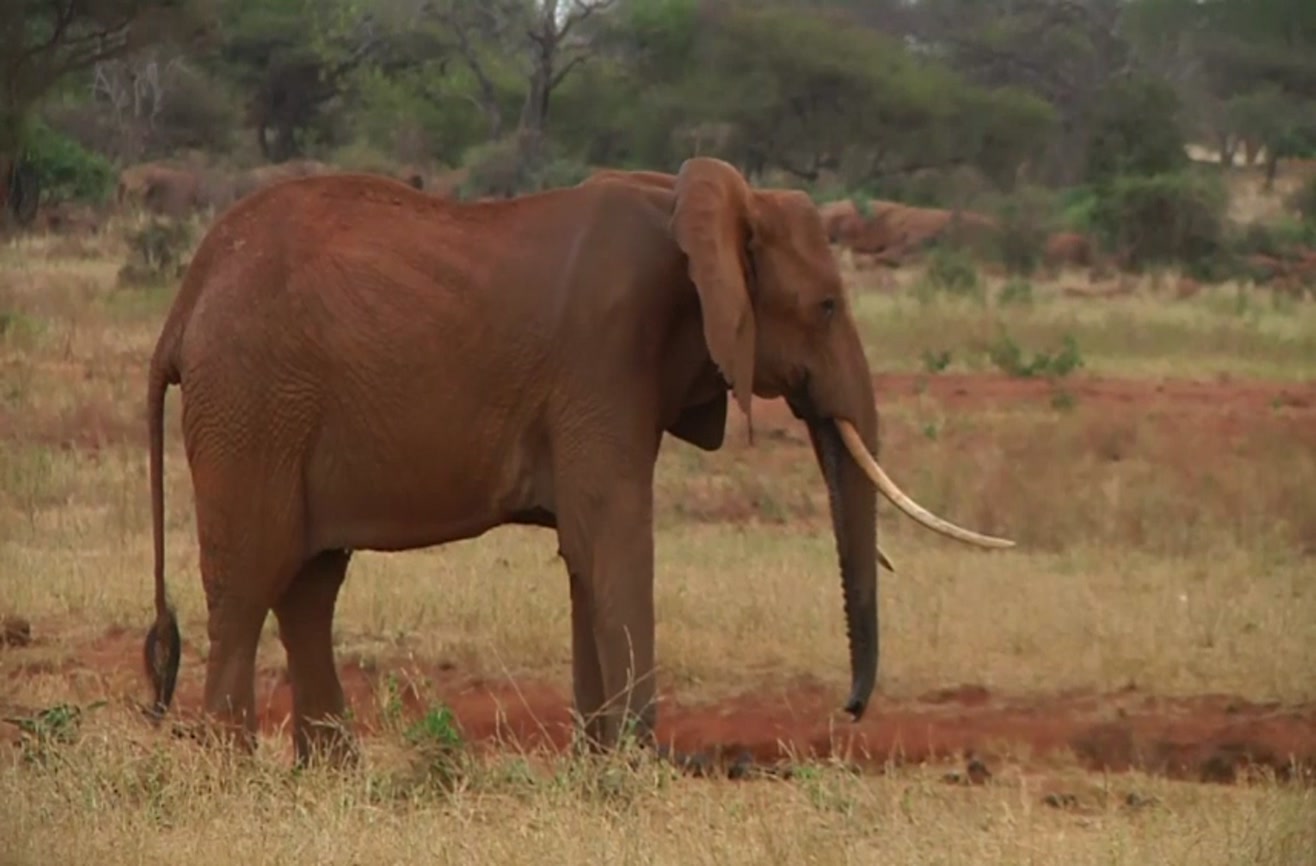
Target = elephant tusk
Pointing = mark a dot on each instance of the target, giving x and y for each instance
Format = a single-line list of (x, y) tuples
[(885, 560), (855, 445)]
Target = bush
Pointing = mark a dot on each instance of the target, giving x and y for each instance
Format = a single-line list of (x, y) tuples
[(1177, 217), (509, 167), (1009, 358), (951, 270), (1077, 206), (1026, 218), (1303, 200), (157, 252), (1278, 240), (66, 170)]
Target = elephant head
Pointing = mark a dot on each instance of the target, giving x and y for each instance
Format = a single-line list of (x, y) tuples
[(777, 323)]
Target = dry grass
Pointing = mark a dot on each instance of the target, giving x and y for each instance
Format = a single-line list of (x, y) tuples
[(1223, 330), (1173, 555), (139, 802)]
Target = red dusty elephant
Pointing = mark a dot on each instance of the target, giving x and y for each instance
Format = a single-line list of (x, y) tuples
[(368, 367)]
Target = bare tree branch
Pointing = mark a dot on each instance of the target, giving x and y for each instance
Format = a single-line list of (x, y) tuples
[(566, 70), (581, 11)]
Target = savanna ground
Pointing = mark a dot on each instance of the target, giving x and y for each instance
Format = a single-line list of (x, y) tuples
[(1135, 683)]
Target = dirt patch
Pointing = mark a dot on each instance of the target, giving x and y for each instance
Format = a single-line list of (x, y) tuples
[(1210, 738), (1227, 408)]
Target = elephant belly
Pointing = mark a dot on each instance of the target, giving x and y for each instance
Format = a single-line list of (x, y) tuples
[(404, 498)]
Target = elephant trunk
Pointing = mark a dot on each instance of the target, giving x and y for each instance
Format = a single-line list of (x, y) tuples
[(853, 504)]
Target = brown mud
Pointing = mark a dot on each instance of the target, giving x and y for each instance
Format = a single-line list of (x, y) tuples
[(1207, 738)]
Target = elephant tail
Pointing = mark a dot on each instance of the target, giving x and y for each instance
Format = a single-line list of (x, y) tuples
[(163, 647)]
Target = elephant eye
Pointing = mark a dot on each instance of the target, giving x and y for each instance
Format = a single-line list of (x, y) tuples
[(828, 307)]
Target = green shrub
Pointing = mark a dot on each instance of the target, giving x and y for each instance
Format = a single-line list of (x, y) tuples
[(157, 252), (1008, 357), (507, 167), (494, 168), (935, 362), (951, 270), (1277, 240), (66, 170), (1077, 206), (1166, 218)]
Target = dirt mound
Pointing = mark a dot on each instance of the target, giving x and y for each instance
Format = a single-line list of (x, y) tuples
[(1213, 738), (1068, 250)]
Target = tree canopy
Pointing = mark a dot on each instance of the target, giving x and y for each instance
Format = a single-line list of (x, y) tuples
[(871, 92)]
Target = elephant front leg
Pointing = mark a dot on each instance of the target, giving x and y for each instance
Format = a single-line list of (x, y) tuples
[(610, 550), (587, 680)]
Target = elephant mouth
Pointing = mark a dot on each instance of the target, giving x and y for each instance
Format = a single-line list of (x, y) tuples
[(803, 408)]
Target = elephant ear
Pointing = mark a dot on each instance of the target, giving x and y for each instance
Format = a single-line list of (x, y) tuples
[(712, 222)]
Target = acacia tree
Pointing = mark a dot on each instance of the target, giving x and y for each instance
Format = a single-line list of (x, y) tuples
[(549, 37), (811, 94), (1246, 69), (44, 41), (1066, 51)]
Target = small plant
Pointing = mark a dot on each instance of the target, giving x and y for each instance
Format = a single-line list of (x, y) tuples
[(44, 730), (1062, 400), (935, 362), (436, 729), (158, 252), (1016, 292), (437, 737), (17, 326), (952, 271), (1009, 358)]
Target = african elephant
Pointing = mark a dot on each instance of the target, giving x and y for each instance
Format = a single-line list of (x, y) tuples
[(368, 367)]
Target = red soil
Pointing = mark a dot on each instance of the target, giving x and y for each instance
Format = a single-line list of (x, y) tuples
[(1209, 738), (1239, 402), (1212, 738)]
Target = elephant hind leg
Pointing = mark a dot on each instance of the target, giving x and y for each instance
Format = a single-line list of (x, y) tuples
[(250, 551), (305, 614)]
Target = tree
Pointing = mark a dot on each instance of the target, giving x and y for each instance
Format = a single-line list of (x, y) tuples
[(549, 37), (294, 58), (811, 93), (42, 42), (1064, 51), (1246, 69)]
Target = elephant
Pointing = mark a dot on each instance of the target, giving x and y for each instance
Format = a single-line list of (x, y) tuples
[(365, 366)]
